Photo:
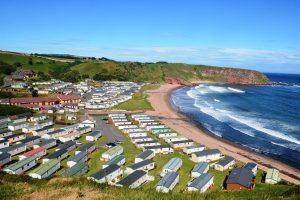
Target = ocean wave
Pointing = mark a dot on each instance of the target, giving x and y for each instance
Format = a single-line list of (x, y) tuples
[(236, 90), (296, 85), (217, 100), (259, 127)]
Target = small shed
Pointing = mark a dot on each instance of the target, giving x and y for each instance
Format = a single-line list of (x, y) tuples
[(272, 176), (134, 180), (168, 182)]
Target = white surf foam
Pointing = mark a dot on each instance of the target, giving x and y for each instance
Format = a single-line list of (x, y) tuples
[(236, 90), (217, 100)]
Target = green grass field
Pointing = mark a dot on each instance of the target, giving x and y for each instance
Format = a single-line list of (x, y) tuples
[(139, 100)]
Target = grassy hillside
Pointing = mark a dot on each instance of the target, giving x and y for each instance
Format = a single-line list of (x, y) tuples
[(133, 71)]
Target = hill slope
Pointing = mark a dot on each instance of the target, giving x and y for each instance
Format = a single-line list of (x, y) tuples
[(135, 71)]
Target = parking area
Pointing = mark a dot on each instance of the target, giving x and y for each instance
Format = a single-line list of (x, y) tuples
[(107, 130)]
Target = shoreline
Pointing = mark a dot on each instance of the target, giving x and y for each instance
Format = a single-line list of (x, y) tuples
[(159, 99)]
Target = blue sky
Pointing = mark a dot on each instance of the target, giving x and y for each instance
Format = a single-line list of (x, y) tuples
[(256, 34)]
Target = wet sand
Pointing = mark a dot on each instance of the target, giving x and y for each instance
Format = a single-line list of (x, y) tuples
[(159, 100)]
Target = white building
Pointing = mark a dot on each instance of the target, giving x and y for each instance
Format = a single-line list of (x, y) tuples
[(168, 182), (201, 183), (206, 155)]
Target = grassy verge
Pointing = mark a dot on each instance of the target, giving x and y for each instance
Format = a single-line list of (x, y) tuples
[(139, 100)]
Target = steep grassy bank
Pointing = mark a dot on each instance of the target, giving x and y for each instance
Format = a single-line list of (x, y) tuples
[(134, 71)]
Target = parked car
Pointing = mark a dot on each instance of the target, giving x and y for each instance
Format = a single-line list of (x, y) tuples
[(110, 144)]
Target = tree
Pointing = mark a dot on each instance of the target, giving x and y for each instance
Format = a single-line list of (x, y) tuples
[(17, 64), (30, 62), (71, 76), (34, 93), (84, 76)]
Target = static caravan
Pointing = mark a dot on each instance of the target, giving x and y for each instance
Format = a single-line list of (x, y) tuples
[(44, 130), (226, 163), (5, 124), (147, 120), (4, 159), (88, 147), (137, 134), (118, 160), (87, 123), (16, 137), (20, 119), (201, 183), (69, 137), (4, 119), (144, 124), (141, 139), (146, 143), (272, 176), (30, 141), (69, 146), (252, 167), (21, 166), (83, 130), (133, 130), (57, 155), (192, 149), (80, 157), (77, 170), (112, 152), (55, 134), (207, 155), (5, 133), (240, 179), (17, 126), (147, 154), (4, 143), (107, 175), (150, 127), (163, 135), (37, 118), (120, 120), (182, 143), (32, 128), (164, 149), (157, 131), (127, 126), (15, 149), (172, 166), (93, 136), (145, 165), (174, 138), (39, 153), (200, 168), (168, 182), (122, 123), (46, 169), (112, 115), (70, 127), (46, 122), (134, 180), (136, 116), (46, 143)]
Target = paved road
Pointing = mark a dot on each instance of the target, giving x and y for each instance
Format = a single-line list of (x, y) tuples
[(107, 130)]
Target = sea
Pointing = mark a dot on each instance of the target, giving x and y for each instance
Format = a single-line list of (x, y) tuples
[(265, 119)]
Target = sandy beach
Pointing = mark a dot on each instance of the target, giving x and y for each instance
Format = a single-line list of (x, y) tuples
[(159, 100)]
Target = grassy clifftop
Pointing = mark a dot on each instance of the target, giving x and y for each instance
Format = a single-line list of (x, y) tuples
[(134, 71)]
